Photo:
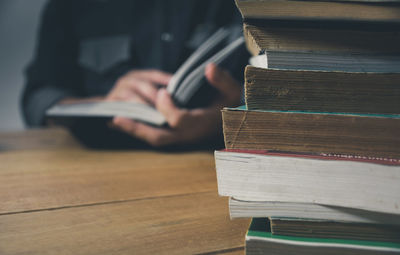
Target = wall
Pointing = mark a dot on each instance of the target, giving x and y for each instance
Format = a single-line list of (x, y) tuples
[(19, 20)]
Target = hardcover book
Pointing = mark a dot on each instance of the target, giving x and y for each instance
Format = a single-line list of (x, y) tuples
[(331, 90), (305, 227), (348, 10), (317, 37), (260, 240), (371, 135)]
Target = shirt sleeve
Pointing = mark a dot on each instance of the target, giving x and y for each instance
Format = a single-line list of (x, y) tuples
[(54, 73)]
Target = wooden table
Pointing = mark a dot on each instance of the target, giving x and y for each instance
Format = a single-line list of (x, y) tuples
[(59, 198)]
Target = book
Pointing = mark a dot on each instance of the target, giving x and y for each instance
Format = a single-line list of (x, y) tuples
[(328, 61), (316, 148), (368, 184), (187, 87), (267, 209), (107, 109), (321, 37), (371, 135), (260, 240), (376, 11), (189, 78), (306, 227), (273, 209), (300, 89)]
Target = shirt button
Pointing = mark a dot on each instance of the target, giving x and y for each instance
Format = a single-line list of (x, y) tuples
[(167, 37)]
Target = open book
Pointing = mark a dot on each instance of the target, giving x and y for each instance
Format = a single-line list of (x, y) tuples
[(185, 85)]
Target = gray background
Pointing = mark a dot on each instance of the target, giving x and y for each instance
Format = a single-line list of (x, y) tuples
[(19, 20)]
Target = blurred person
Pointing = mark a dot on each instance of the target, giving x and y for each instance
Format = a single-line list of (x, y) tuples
[(128, 50)]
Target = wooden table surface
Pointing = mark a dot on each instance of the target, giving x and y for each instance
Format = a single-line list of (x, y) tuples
[(57, 197)]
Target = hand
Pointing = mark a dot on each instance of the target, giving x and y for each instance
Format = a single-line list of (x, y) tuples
[(187, 126), (139, 86)]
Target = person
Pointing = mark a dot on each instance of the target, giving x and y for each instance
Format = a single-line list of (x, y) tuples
[(128, 50)]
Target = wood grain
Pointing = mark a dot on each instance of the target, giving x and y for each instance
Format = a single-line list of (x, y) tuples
[(34, 180), (234, 251), (59, 198), (32, 139), (187, 224)]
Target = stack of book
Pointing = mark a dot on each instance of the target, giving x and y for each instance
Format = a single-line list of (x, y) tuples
[(314, 155)]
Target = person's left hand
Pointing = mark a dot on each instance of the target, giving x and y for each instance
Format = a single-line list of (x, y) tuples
[(187, 126)]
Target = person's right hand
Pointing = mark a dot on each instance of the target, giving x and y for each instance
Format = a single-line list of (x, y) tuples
[(139, 86)]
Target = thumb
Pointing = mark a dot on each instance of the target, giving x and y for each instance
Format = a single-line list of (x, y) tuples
[(167, 107), (224, 82)]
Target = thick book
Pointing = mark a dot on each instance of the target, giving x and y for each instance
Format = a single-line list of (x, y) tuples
[(298, 88), (306, 227), (188, 86), (366, 184), (318, 37), (260, 240), (371, 135), (328, 61), (360, 10), (270, 209)]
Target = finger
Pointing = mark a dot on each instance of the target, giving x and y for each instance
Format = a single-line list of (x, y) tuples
[(167, 107), (117, 95), (72, 100), (128, 95), (155, 76), (145, 90), (134, 89), (154, 136), (136, 99), (224, 82)]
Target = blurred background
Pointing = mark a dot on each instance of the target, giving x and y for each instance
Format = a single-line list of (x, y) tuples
[(19, 20)]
